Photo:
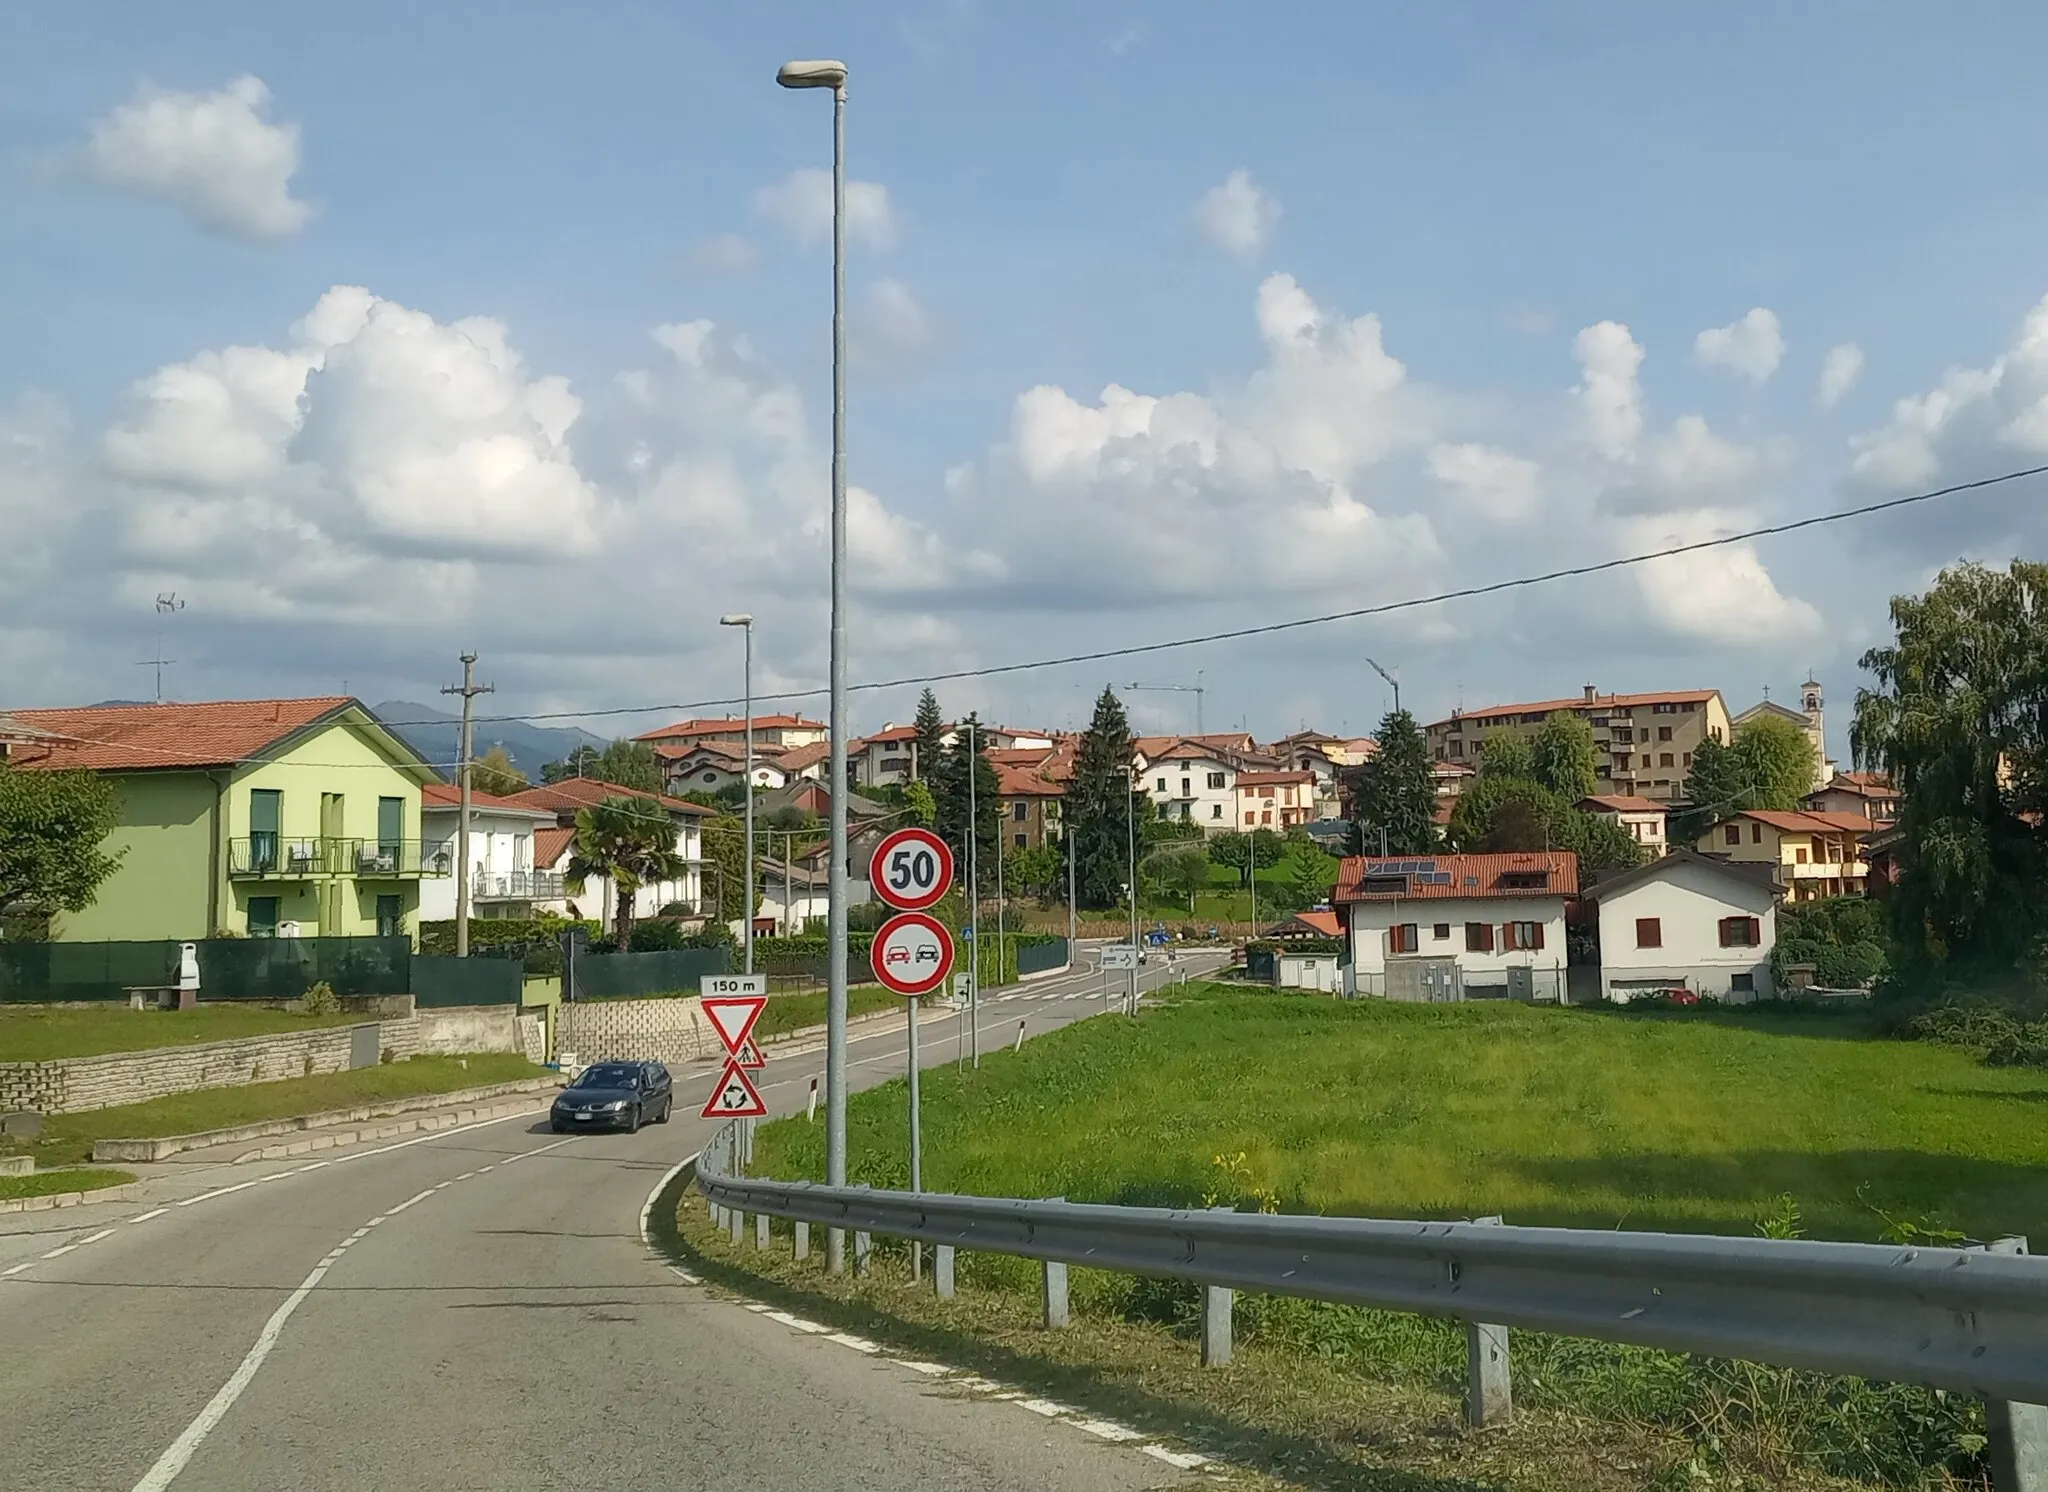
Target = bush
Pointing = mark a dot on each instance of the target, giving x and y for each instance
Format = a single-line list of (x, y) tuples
[(319, 999), (1841, 936), (1999, 1038)]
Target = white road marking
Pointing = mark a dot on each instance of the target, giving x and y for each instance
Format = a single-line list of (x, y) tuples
[(1045, 1407), (929, 1369), (14, 1269), (858, 1344), (1108, 1429), (58, 1253), (145, 1217), (409, 1201), (1185, 1460), (96, 1237)]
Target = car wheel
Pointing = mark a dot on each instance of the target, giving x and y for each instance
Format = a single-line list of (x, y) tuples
[(639, 1115), (667, 1107), (560, 1129)]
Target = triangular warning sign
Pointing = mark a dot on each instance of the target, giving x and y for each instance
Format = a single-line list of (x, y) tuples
[(734, 1096), (733, 1017), (750, 1055)]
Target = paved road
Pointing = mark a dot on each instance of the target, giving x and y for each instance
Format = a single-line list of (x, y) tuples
[(476, 1309)]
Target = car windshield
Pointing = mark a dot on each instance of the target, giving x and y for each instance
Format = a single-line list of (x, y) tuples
[(609, 1075)]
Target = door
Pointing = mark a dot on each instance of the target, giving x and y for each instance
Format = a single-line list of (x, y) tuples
[(390, 831), (262, 916), (390, 916), (330, 909), (333, 850), (265, 809)]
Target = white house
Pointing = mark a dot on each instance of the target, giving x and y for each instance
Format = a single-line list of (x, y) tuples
[(1688, 921), (554, 845), (1457, 927), (502, 878), (1189, 781), (708, 766), (1642, 819)]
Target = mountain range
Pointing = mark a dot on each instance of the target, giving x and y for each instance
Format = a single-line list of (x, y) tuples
[(436, 735)]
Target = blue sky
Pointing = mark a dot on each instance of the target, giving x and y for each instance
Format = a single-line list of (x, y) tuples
[(580, 500)]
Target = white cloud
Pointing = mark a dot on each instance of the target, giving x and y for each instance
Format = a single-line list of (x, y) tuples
[(1610, 398), (801, 203), (213, 154), (726, 253), (1492, 482), (1237, 216), (891, 330), (1751, 347), (1722, 596), (1977, 420), (1839, 372)]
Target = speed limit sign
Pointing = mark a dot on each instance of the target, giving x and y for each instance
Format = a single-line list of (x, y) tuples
[(911, 869)]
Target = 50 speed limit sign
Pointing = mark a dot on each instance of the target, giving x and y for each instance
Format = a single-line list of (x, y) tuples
[(911, 869)]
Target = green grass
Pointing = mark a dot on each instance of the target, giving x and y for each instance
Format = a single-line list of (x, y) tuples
[(795, 1012), (68, 1138), (33, 1033), (52, 1183), (1678, 1121)]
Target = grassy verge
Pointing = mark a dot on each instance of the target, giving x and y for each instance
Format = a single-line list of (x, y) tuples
[(794, 1012), (52, 1183), (1684, 1122), (68, 1138), (31, 1033)]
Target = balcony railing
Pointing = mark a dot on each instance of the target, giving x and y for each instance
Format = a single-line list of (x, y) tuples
[(517, 885), (284, 858)]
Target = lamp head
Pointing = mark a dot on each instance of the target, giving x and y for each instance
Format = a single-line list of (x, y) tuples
[(819, 74), (736, 619)]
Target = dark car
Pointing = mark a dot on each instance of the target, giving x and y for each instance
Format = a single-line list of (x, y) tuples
[(615, 1095)]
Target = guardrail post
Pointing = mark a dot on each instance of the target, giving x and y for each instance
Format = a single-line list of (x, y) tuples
[(863, 1251), (1055, 1294), (2017, 1433), (761, 1230), (739, 1225), (1489, 1386), (942, 1270), (803, 1242), (1217, 1304)]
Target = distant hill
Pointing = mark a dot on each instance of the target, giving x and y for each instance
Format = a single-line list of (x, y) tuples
[(528, 745)]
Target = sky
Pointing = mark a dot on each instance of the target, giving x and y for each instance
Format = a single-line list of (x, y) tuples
[(378, 334)]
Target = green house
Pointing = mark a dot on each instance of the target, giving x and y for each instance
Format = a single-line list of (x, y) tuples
[(251, 817)]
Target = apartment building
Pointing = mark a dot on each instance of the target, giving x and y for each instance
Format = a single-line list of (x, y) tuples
[(1814, 854), (769, 731), (1275, 800), (1643, 743), (1193, 779), (1642, 819)]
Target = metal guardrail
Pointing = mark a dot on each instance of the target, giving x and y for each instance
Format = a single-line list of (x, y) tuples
[(1968, 1320)]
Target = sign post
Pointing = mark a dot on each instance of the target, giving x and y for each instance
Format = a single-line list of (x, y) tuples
[(912, 953), (732, 1003)]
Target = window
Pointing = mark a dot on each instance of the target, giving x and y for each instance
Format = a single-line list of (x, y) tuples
[(1187, 787), (263, 915), (1741, 932), (1251, 818), (1162, 785), (1714, 731), (711, 777), (1663, 732), (1457, 748), (1756, 833), (1664, 759), (264, 812), (1621, 761), (1799, 856), (1742, 984), (1649, 932), (1266, 817), (1664, 709), (390, 916), (1685, 759), (1441, 932), (390, 826), (1479, 937), (1265, 792), (1020, 841), (1184, 766), (1019, 810), (1521, 937), (1215, 810), (1623, 733), (1216, 780), (1401, 938), (1689, 706)]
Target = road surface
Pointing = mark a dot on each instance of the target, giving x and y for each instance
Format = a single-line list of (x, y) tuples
[(477, 1309)]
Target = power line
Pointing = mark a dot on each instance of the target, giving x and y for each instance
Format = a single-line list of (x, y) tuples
[(1265, 629)]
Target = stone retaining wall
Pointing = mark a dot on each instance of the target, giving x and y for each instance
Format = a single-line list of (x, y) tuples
[(669, 1029)]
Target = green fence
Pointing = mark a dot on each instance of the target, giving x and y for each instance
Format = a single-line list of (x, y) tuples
[(229, 968), (1037, 957), (440, 982), (608, 976)]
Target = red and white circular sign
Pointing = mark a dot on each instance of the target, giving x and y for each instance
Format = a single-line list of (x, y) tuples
[(911, 869), (912, 953)]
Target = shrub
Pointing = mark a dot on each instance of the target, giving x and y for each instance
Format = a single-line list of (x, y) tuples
[(319, 999)]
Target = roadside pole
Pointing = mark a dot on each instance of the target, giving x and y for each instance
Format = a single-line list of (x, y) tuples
[(1131, 818), (911, 871), (973, 848), (469, 690)]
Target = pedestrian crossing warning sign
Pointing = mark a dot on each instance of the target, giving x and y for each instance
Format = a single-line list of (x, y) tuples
[(734, 1095)]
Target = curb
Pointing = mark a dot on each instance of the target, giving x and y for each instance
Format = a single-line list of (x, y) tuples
[(126, 1192), (451, 1119), (162, 1147)]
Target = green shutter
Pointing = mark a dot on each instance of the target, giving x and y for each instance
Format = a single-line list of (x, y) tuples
[(390, 821)]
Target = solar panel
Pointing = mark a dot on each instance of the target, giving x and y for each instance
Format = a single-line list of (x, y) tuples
[(1426, 865)]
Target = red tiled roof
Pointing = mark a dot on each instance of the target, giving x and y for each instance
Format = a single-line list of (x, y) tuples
[(1152, 747), (1881, 781), (1626, 803), (1451, 769), (550, 845), (890, 734), (574, 793), (133, 738), (1026, 782), (449, 795), (708, 727), (1470, 876), (1580, 702), (1273, 779), (1800, 822), (1325, 923), (798, 757)]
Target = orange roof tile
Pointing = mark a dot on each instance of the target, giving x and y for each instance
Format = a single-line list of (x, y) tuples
[(706, 726), (1324, 923), (137, 738), (1273, 779), (572, 794), (1801, 822), (550, 845), (1580, 702), (449, 795), (1469, 876), (798, 757), (1626, 803), (1026, 782)]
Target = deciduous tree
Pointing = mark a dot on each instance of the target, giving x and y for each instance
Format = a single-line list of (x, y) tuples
[(52, 826), (1563, 759), (494, 773)]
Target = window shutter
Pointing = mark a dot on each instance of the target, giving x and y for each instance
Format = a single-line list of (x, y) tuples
[(1756, 932), (1649, 932), (1727, 927), (1536, 936)]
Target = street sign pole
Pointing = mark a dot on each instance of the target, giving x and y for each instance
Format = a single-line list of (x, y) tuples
[(911, 870)]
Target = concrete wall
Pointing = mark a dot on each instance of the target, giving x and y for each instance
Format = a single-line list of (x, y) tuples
[(468, 1028), (163, 833), (78, 1084), (669, 1030)]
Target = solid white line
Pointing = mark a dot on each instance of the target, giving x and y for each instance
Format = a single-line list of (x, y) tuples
[(1185, 1460), (159, 1212), (96, 1237), (1108, 1429), (858, 1344), (1045, 1407), (14, 1269), (240, 1186), (58, 1253), (417, 1197)]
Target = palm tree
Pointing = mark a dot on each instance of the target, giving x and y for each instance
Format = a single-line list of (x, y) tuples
[(632, 843)]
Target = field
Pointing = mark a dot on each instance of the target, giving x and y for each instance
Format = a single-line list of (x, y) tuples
[(67, 1138), (37, 1033), (793, 1012), (1687, 1121)]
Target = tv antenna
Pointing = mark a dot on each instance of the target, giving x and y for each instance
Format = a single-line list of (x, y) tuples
[(168, 603)]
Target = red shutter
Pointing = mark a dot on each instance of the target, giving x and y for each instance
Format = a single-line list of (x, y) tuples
[(1756, 933), (1536, 934), (1727, 927)]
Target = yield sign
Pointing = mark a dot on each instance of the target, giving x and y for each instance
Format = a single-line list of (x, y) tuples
[(733, 1017), (734, 1096)]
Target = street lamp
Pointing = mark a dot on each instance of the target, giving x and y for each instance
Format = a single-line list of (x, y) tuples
[(745, 622), (832, 75)]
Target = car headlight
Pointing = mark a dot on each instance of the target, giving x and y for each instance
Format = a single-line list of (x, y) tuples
[(614, 1107)]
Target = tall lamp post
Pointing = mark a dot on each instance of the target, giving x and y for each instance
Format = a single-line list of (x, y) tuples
[(832, 75), (745, 623)]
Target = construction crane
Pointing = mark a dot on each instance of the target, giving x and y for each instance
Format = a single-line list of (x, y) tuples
[(1195, 689), (1393, 679)]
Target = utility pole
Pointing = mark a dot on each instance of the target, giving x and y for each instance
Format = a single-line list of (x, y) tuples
[(973, 904), (469, 689), (1073, 907), (1131, 818)]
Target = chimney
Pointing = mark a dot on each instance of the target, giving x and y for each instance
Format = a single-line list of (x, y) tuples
[(1591, 692)]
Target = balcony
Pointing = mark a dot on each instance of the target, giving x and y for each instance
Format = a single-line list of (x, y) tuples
[(277, 857), (517, 885)]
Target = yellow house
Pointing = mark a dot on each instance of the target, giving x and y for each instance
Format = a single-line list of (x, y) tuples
[(251, 817), (1815, 854)]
